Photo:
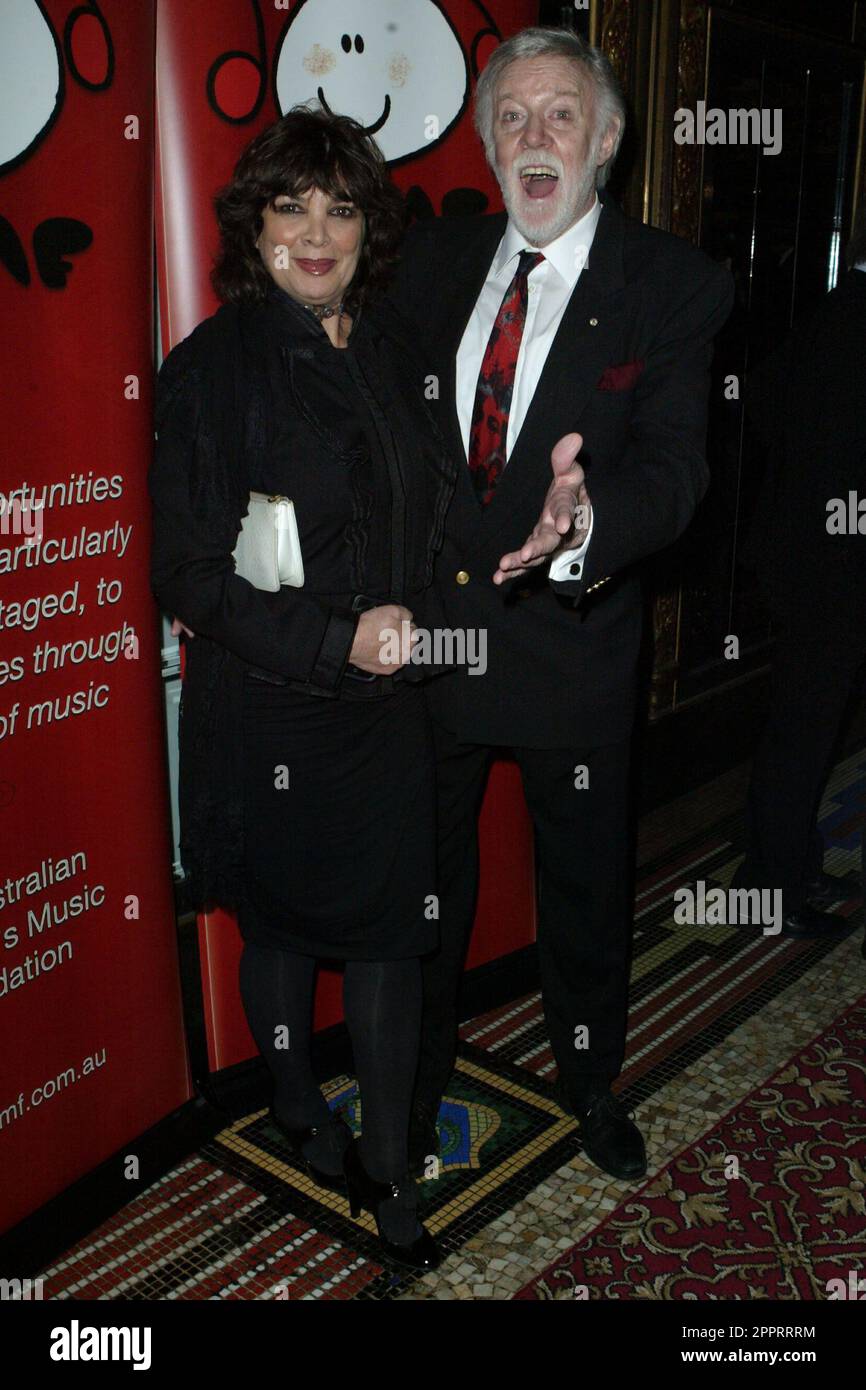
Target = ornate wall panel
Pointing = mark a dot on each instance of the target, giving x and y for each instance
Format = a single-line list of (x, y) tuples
[(777, 225)]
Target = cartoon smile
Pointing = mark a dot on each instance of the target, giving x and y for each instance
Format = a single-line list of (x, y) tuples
[(368, 129), (406, 54)]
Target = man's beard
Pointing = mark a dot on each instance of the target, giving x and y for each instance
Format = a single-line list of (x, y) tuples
[(544, 219)]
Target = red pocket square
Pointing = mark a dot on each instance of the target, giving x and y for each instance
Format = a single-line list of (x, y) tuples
[(621, 378)]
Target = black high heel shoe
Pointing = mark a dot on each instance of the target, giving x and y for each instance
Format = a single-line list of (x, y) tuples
[(368, 1194), (333, 1182)]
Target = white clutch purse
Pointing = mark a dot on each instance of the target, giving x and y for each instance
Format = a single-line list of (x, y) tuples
[(268, 552)]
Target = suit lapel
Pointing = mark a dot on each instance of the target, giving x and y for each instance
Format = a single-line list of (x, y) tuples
[(459, 294), (459, 297), (579, 353)]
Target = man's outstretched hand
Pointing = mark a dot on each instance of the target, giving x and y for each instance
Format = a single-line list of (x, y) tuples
[(564, 520)]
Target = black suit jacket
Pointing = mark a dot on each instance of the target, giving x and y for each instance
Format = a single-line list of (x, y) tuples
[(561, 660), (807, 406)]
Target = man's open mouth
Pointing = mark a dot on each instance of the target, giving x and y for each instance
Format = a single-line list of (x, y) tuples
[(539, 180)]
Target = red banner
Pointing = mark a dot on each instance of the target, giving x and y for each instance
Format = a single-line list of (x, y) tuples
[(93, 1049), (406, 70)]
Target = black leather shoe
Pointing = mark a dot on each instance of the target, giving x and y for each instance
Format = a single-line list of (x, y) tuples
[(827, 889), (807, 921), (610, 1137), (366, 1193), (423, 1137), (297, 1138)]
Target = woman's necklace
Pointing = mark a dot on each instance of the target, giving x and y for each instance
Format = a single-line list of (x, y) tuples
[(325, 311)]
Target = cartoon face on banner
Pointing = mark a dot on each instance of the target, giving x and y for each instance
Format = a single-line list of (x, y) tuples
[(30, 80), (33, 67), (404, 69), (396, 66)]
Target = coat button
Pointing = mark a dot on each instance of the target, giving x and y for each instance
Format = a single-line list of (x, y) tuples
[(462, 577)]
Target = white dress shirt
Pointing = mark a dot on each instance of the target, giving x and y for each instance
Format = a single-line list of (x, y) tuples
[(550, 286)]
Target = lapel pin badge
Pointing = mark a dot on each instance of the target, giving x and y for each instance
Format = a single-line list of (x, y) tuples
[(593, 323)]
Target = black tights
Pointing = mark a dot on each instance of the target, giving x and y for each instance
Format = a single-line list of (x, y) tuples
[(382, 1003)]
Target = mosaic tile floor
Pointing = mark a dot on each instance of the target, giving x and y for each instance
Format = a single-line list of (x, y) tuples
[(713, 1014)]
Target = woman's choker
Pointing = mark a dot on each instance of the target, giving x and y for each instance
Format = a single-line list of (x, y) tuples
[(325, 311)]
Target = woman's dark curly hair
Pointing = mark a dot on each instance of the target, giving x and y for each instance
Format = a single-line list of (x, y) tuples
[(306, 149)]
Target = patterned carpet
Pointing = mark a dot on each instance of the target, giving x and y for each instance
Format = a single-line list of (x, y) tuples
[(710, 1009), (770, 1204), (691, 985)]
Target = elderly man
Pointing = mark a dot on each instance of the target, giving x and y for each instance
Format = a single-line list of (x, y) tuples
[(558, 326)]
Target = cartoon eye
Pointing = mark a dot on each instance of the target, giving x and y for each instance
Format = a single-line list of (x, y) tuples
[(346, 43), (359, 44)]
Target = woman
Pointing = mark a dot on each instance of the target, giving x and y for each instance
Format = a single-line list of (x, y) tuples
[(306, 766)]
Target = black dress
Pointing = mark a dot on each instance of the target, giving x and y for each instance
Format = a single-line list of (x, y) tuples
[(338, 791)]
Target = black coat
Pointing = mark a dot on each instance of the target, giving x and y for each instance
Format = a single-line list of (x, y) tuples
[(806, 404), (561, 661), (216, 416)]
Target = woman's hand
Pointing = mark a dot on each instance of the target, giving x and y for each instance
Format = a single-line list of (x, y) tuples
[(382, 643)]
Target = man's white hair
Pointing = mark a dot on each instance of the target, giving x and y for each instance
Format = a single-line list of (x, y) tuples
[(555, 43)]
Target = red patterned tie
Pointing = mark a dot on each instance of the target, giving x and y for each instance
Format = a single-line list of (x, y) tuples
[(489, 431)]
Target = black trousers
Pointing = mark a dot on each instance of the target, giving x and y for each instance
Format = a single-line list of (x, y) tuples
[(584, 906), (817, 668)]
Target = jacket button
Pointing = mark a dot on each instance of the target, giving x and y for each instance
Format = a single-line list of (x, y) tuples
[(462, 577)]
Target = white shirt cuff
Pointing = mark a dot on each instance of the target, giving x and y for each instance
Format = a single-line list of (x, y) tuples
[(569, 565)]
